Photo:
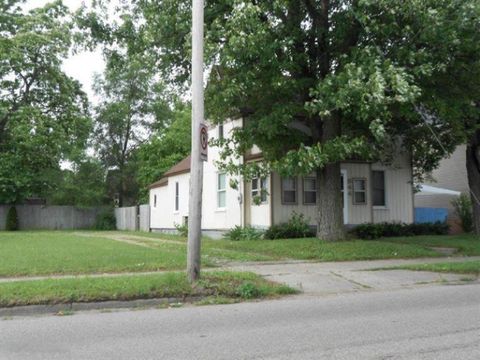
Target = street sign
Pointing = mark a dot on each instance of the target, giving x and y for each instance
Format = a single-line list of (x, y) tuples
[(203, 142)]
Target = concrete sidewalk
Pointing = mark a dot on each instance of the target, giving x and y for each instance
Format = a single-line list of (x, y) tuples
[(353, 276)]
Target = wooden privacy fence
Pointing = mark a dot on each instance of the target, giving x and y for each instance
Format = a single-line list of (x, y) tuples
[(133, 218), (32, 217)]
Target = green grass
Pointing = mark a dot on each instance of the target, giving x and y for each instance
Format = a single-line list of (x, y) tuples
[(314, 249), (465, 267), (468, 245), (231, 286), (48, 252)]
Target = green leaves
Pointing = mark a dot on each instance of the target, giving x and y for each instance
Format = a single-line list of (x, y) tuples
[(43, 112)]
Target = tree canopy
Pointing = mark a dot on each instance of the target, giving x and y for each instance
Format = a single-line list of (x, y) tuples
[(319, 82), (43, 112)]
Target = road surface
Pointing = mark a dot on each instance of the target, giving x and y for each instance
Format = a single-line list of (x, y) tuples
[(430, 322)]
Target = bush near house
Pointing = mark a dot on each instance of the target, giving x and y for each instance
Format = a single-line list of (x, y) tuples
[(463, 208), (374, 231), (12, 220), (243, 233), (297, 227)]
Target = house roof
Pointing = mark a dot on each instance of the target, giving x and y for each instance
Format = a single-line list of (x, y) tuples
[(182, 167)]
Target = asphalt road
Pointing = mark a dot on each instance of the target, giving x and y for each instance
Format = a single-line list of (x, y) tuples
[(430, 322)]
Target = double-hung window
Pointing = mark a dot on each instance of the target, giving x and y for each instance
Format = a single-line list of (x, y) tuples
[(359, 191), (177, 196), (220, 132), (309, 191), (289, 191), (378, 188), (221, 191), (260, 189)]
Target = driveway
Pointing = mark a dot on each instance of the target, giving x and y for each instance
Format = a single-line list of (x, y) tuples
[(343, 277)]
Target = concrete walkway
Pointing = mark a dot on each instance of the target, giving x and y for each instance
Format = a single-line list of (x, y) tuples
[(353, 276), (322, 278)]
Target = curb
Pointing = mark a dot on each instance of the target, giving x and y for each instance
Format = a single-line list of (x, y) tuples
[(31, 310)]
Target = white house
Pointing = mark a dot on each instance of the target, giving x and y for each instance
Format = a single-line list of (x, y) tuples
[(372, 192)]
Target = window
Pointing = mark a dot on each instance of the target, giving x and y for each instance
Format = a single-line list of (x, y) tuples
[(260, 188), (309, 191), (155, 201), (177, 196), (359, 191), (378, 188), (220, 131), (222, 191), (289, 191)]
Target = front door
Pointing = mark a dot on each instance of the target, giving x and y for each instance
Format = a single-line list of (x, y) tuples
[(344, 190)]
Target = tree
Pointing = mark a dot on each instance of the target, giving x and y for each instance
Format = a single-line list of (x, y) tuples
[(320, 82), (164, 149), (43, 112), (473, 171), (83, 186), (132, 106)]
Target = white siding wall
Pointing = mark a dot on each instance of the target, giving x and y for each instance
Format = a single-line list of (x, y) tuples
[(214, 218), (399, 195), (164, 216), (358, 213), (399, 192), (282, 213)]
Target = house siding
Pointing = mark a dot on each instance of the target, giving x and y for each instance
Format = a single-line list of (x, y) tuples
[(239, 209)]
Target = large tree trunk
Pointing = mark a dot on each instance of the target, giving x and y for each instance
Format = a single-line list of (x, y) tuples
[(473, 171), (329, 196), (330, 209)]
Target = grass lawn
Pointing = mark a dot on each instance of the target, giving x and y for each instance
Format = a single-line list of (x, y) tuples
[(49, 252), (465, 267), (216, 286), (468, 245)]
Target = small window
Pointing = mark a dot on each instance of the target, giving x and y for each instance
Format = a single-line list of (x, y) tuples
[(154, 201), (378, 188), (222, 191), (220, 132), (309, 191), (260, 188), (177, 196), (359, 191), (289, 191)]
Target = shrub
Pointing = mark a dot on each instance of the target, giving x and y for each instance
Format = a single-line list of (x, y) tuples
[(463, 208), (243, 233), (375, 231), (12, 220), (296, 227), (182, 229), (106, 221), (248, 291)]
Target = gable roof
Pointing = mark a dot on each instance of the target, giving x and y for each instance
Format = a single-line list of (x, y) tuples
[(182, 167)]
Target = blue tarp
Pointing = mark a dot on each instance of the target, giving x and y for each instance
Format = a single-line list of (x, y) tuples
[(430, 215)]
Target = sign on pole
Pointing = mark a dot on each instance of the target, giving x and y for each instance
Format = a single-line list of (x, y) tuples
[(203, 142)]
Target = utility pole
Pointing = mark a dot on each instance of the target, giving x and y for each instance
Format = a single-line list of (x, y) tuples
[(196, 167)]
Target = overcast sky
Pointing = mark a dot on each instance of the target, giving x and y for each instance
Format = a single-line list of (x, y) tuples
[(81, 66)]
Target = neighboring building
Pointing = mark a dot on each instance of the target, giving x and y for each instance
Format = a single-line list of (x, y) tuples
[(448, 181), (372, 192)]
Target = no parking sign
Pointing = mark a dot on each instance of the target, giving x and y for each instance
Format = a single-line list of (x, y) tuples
[(203, 142)]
